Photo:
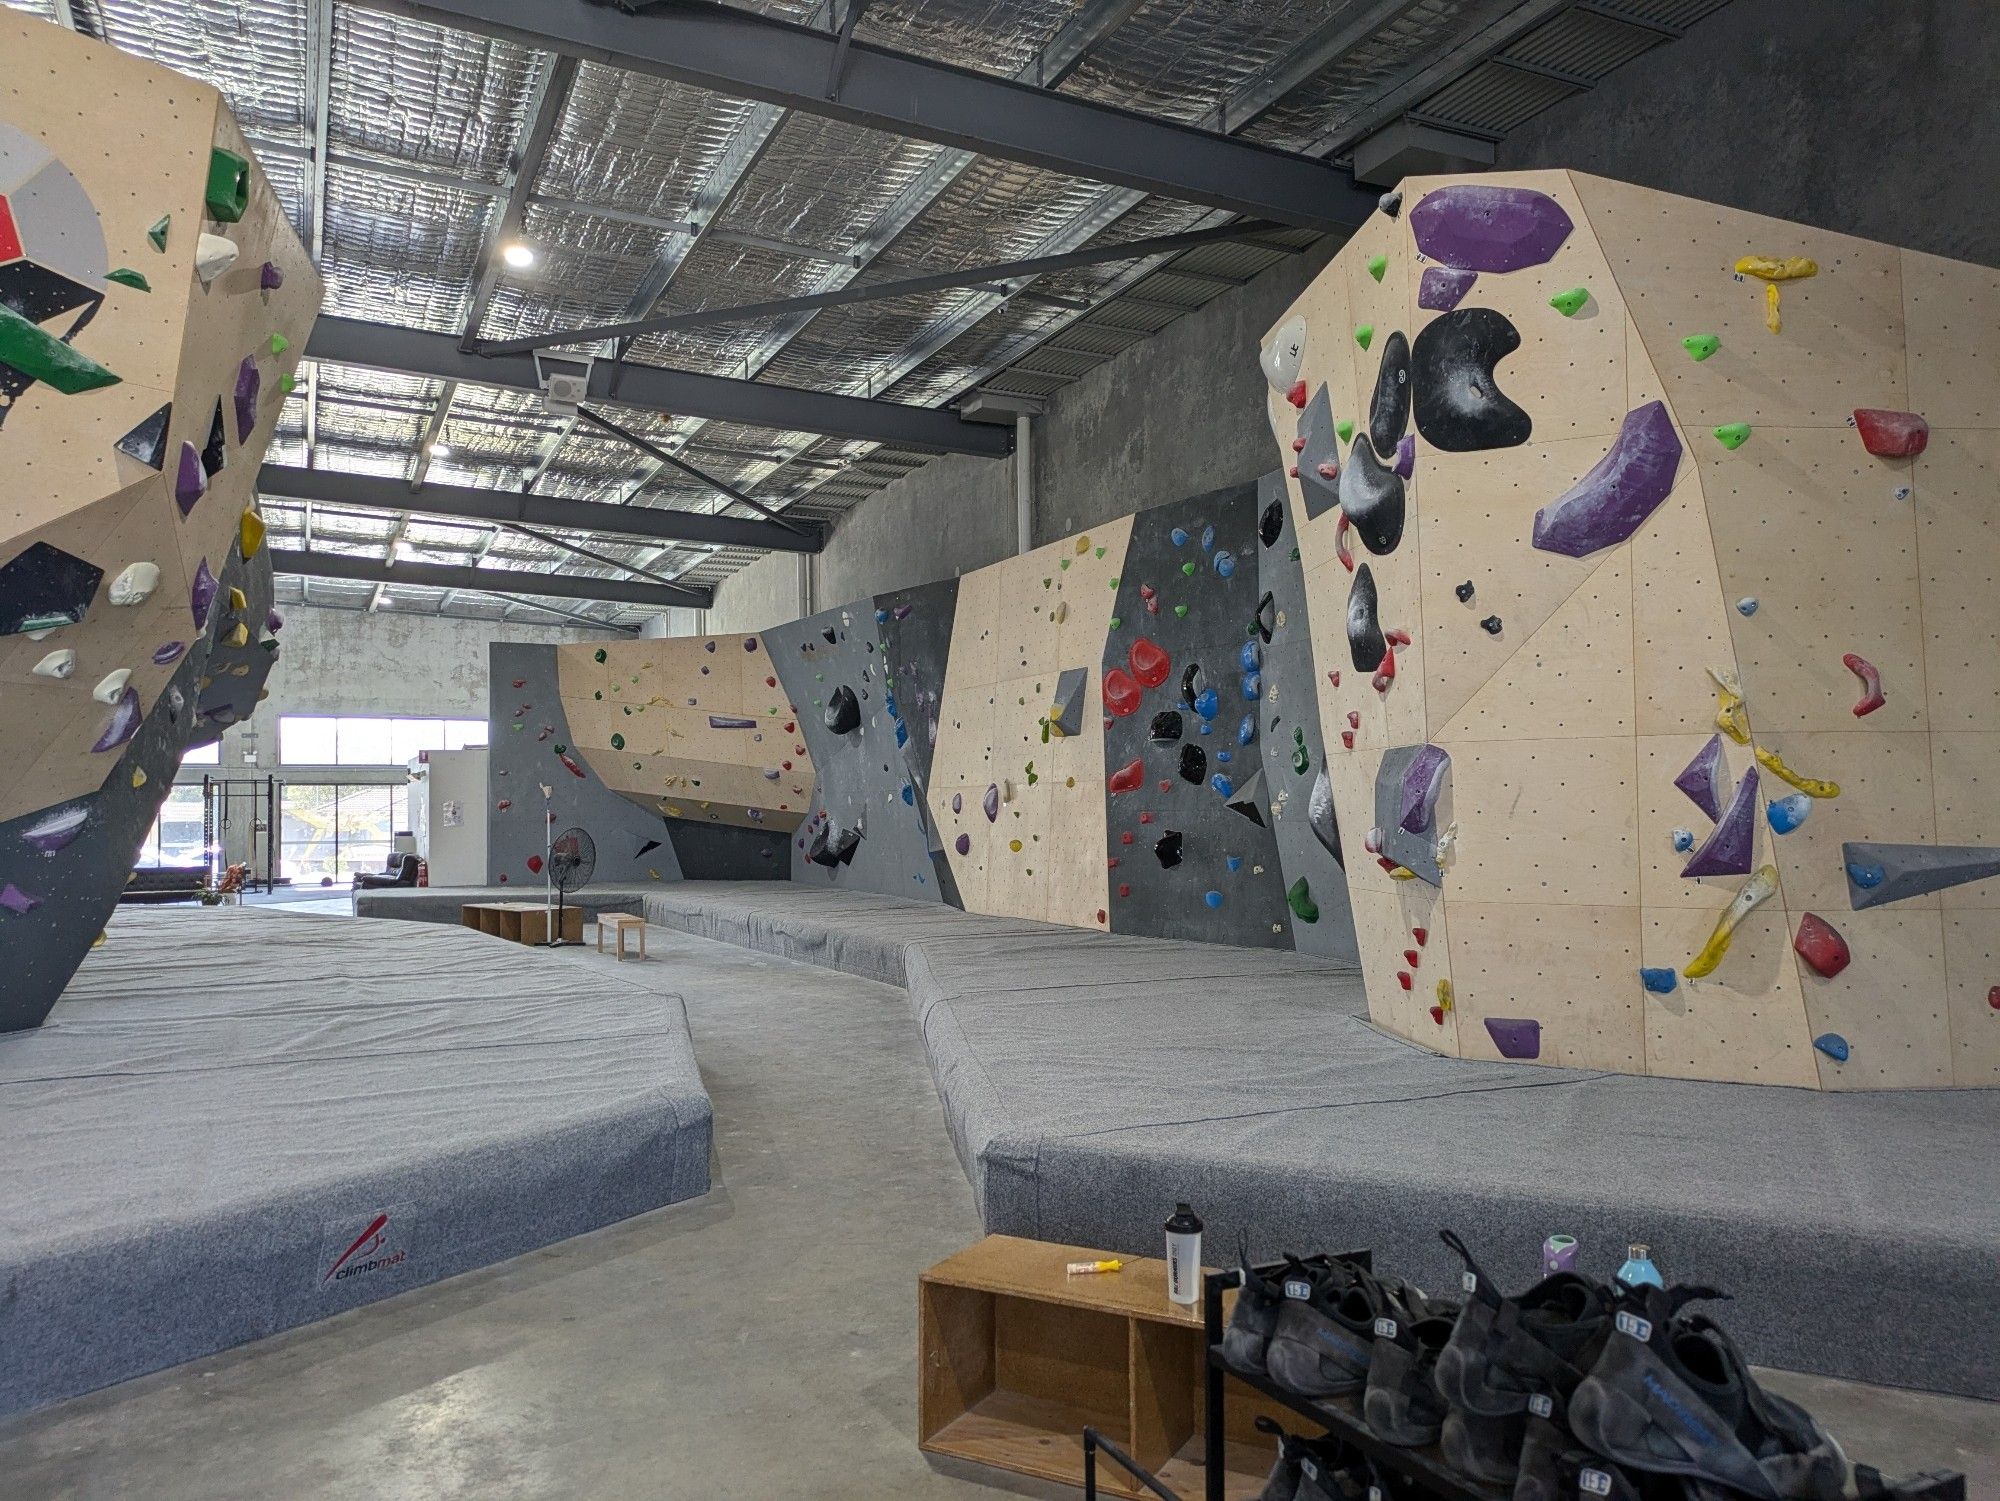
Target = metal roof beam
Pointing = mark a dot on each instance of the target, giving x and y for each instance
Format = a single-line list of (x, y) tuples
[(508, 507), (749, 56), (410, 351), (328, 565)]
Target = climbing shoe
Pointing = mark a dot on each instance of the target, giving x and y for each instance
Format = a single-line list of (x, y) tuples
[(1504, 1350), (1282, 1484), (1248, 1336), (1555, 1467), (1670, 1395), (1402, 1405), (1324, 1336), (1487, 1449)]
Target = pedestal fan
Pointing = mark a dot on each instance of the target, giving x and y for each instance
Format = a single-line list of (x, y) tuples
[(569, 865)]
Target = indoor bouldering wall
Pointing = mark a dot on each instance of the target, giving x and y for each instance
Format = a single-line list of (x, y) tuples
[(1648, 541), (153, 303)]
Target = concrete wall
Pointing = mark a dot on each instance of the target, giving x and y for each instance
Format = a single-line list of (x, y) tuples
[(1872, 117), (1177, 415)]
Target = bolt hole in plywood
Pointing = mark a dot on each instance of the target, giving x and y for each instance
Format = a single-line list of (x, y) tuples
[(1015, 1357)]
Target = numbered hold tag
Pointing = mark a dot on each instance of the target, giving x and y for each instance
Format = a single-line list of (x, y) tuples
[(1298, 1288), (1470, 1282), (1640, 1329), (1540, 1405), (1594, 1483), (1309, 1470), (1385, 1328)]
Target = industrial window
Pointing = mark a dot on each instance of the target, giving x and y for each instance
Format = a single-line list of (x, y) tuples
[(356, 740)]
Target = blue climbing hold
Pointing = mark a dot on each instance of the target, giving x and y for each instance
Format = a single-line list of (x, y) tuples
[(1683, 840), (1222, 784), (1225, 564), (1224, 757), (1179, 537), (1659, 981), (1247, 730), (1251, 656), (1206, 703), (1214, 899), (1787, 813), (1208, 539), (1234, 862), (1867, 877), (902, 734), (1833, 1045), (909, 795), (1205, 727), (1253, 686), (1747, 605), (881, 617)]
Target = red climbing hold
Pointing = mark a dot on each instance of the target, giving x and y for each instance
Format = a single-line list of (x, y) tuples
[(1872, 697), (1121, 694), (1145, 818), (1150, 665), (1340, 542), (1437, 1015), (1422, 935), (1330, 471), (1293, 471), (1387, 674), (1354, 719), (567, 760), (1124, 890), (1823, 949), (1111, 863), (1129, 777), (770, 682), (1125, 838), (1403, 979), (535, 864), (1993, 997), (1100, 914), (1891, 435), (1333, 678), (1412, 958), (1166, 784), (1298, 445), (1297, 395), (1347, 739), (1399, 637)]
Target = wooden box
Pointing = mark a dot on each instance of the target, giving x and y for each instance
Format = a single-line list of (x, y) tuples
[(521, 922), (1015, 1357)]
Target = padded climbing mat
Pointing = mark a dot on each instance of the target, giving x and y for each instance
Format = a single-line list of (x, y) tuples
[(443, 903), (202, 1151)]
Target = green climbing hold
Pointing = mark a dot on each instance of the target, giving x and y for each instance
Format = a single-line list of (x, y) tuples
[(158, 233), (126, 276), (1063, 563), (1180, 612), (1364, 334), (40, 355), (1733, 434), (516, 725), (600, 654), (1045, 730), (1114, 583), (1100, 552), (1701, 346), (1377, 264), (1570, 303), (1048, 583), (1344, 429), (618, 742), (228, 192), (1116, 622), (1032, 776), (1295, 555), (1188, 569), (561, 749), (288, 383), (279, 343), (1299, 898)]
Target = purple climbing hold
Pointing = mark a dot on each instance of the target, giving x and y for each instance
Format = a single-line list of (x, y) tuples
[(169, 652), (1729, 846), (1443, 288), (1423, 781), (201, 594), (55, 830), (1626, 486), (123, 724), (1406, 455), (1476, 226), (273, 621), (1515, 1036), (749, 643), (249, 385), (190, 479), (1705, 778), (271, 276), (991, 802), (958, 802), (731, 722), (902, 612), (17, 901), (963, 844)]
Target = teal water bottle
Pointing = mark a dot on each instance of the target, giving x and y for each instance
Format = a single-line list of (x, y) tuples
[(1639, 1270)]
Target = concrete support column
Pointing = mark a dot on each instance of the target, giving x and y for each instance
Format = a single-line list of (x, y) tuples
[(1024, 482)]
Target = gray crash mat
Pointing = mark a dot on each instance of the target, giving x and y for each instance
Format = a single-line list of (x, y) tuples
[(236, 1121), (1090, 1081), (443, 903)]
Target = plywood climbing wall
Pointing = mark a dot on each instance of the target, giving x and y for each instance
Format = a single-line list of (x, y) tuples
[(153, 306), (1652, 559)]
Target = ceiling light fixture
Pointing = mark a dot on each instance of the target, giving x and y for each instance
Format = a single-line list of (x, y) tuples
[(517, 255), (440, 450)]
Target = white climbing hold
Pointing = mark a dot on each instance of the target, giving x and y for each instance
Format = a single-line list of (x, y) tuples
[(111, 687), (213, 255), (57, 664), (1281, 357), (136, 584), (1747, 605)]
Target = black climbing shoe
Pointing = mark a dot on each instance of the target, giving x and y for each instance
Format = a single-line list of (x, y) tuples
[(1504, 1350), (1248, 1336), (1555, 1467), (1670, 1395), (1402, 1404), (1282, 1484), (1324, 1336), (1487, 1449)]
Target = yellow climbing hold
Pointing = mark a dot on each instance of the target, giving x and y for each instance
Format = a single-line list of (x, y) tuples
[(1729, 715), (1777, 267), (237, 600), (98, 941), (1444, 995), (1082, 546), (1402, 873), (1755, 892), (1774, 763), (138, 776), (250, 534), (238, 637), (1773, 317), (1014, 845)]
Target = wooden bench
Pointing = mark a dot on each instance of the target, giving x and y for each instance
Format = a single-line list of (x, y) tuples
[(621, 923)]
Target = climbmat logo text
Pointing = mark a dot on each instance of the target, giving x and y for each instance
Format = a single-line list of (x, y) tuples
[(381, 1245)]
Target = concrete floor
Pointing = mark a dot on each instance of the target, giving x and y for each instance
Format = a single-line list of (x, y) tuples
[(757, 1343)]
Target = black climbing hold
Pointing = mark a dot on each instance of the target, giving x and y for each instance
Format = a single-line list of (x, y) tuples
[(1464, 592), (1318, 448), (646, 849), (827, 633), (1194, 763), (1391, 202), (1365, 642), (1321, 816), (1166, 725), (215, 452), (819, 849), (1193, 680), (1372, 497), (1459, 404), (148, 441), (44, 587), (845, 843), (843, 711), (1389, 411), (1168, 849), (1270, 525), (1490, 625), (1266, 621)]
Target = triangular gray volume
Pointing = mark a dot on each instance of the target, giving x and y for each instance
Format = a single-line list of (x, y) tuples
[(148, 441), (1878, 874)]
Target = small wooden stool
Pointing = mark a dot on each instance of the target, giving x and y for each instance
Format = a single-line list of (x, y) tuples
[(621, 923)]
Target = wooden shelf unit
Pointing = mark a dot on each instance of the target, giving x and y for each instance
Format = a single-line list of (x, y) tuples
[(1015, 1357), (521, 922)]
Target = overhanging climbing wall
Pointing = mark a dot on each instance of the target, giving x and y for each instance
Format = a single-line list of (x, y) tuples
[(1654, 551), (153, 302)]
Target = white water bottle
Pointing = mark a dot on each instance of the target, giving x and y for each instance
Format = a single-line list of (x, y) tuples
[(1184, 1256)]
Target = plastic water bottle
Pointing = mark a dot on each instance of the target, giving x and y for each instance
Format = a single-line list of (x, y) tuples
[(1184, 1256), (1639, 1270), (1558, 1254)]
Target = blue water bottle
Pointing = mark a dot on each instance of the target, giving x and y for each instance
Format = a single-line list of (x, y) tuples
[(1639, 1270)]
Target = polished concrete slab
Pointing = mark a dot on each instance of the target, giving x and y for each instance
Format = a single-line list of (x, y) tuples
[(759, 1343)]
